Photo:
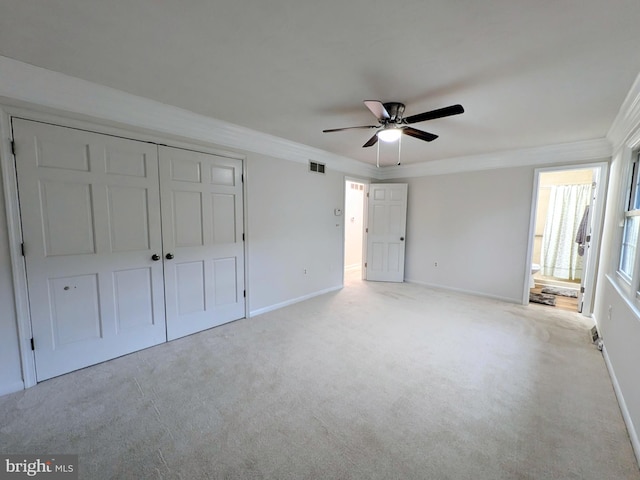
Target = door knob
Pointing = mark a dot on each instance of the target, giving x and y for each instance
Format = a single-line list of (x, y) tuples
[(402, 239), (155, 257), (169, 256)]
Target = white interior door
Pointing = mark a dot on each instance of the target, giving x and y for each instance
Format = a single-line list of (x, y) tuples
[(202, 222), (386, 230), (90, 211), (586, 246)]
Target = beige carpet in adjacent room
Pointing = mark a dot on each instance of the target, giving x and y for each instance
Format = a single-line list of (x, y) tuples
[(376, 381)]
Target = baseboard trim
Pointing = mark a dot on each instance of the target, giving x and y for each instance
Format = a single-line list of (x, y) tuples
[(466, 292), (286, 303), (11, 388), (633, 434)]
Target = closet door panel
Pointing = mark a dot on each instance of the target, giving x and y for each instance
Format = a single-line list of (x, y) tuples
[(202, 218), (90, 210)]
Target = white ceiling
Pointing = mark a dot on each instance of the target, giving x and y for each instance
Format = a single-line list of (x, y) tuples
[(528, 72)]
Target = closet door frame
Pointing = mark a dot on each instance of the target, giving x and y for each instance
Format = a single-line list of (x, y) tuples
[(12, 206)]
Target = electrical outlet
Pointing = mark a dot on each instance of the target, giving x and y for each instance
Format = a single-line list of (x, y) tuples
[(305, 271), (435, 264)]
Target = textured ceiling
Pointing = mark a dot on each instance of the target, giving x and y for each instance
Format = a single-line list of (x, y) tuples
[(529, 73)]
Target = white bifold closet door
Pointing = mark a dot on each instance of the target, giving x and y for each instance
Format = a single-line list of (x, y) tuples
[(202, 214), (115, 230), (90, 207)]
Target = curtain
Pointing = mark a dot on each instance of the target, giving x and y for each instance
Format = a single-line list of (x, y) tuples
[(559, 254)]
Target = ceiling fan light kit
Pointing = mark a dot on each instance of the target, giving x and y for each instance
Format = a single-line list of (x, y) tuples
[(390, 134), (392, 125)]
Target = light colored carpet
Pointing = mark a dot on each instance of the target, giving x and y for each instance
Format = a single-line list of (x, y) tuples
[(376, 381)]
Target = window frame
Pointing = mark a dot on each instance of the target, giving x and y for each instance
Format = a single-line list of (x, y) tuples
[(631, 210)]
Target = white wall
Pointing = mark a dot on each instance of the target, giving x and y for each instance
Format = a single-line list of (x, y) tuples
[(620, 330), (619, 320), (10, 370), (475, 226), (292, 227)]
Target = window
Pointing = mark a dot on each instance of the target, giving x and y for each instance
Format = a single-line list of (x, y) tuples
[(631, 225)]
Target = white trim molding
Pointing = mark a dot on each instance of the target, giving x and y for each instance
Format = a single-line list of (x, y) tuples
[(28, 86), (18, 268), (564, 153), (25, 85), (474, 293), (628, 118), (11, 388), (277, 306), (633, 434)]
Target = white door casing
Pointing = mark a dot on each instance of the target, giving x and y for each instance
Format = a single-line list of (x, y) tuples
[(91, 224), (202, 212), (386, 230)]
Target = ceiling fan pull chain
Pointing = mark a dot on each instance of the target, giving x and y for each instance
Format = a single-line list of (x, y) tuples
[(399, 148)]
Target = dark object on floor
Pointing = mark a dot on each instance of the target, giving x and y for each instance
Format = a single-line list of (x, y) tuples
[(565, 292), (543, 299), (595, 337)]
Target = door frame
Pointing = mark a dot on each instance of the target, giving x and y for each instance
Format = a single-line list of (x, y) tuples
[(591, 267), (366, 183), (12, 205)]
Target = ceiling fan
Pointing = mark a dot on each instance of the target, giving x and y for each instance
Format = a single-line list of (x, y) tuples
[(392, 125)]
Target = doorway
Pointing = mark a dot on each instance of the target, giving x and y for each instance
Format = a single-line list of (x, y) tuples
[(567, 207), (354, 220)]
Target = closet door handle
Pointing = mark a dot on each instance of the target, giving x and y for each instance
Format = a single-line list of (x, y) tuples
[(169, 256), (155, 257)]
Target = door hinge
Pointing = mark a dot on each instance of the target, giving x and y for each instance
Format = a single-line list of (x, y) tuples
[(581, 289), (366, 230), (588, 238), (33, 345), (365, 264), (13, 147), (367, 194), (22, 249), (243, 237), (244, 293), (242, 177)]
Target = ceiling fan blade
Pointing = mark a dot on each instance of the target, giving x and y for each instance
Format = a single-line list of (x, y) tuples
[(413, 132), (348, 128), (377, 108), (433, 114), (372, 141)]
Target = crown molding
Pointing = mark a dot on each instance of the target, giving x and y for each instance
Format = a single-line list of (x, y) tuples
[(34, 87), (627, 122), (596, 149)]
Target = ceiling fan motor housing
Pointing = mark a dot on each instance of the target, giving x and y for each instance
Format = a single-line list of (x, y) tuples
[(395, 110)]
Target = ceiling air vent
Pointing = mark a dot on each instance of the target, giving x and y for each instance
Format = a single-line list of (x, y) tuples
[(316, 167)]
